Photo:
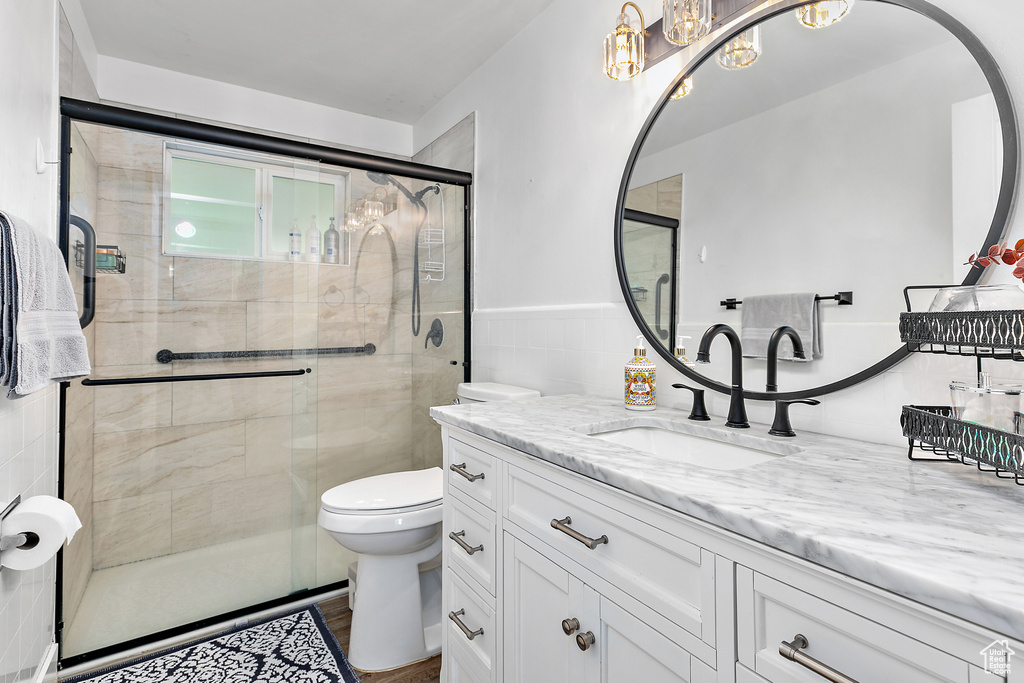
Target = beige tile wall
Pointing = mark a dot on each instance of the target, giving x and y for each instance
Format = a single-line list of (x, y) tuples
[(178, 466)]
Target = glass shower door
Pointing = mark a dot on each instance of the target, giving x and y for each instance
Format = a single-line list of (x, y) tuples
[(194, 460), (235, 381)]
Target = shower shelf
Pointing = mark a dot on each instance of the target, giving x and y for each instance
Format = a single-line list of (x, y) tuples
[(109, 258), (432, 247)]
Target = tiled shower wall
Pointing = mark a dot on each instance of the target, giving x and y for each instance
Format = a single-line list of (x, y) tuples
[(435, 377)]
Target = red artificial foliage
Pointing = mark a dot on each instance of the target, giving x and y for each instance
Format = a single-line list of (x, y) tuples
[(1001, 253)]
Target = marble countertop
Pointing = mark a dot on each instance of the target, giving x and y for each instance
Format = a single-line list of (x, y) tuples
[(944, 535)]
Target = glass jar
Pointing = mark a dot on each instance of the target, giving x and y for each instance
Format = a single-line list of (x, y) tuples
[(978, 298)]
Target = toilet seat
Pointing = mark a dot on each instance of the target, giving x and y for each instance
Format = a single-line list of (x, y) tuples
[(392, 493), (383, 503), (379, 523)]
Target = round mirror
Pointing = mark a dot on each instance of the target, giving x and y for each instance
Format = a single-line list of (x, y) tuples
[(850, 161)]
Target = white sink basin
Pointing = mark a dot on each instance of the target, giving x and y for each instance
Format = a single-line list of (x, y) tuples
[(681, 442)]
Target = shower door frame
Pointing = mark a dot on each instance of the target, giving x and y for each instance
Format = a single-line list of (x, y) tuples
[(143, 122)]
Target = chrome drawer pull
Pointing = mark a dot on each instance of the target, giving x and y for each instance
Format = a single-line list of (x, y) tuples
[(461, 469), (457, 537), (794, 651), (570, 626), (454, 616), (563, 526), (585, 640)]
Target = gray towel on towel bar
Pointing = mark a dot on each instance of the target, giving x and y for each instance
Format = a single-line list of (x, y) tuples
[(47, 344), (762, 315)]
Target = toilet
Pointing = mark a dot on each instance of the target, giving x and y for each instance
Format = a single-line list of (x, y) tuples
[(393, 521)]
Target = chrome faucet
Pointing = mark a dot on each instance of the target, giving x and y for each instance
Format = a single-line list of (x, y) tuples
[(781, 425), (737, 411)]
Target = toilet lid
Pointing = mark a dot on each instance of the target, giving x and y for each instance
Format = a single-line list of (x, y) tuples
[(395, 491)]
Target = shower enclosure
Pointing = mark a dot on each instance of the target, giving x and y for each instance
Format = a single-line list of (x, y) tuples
[(236, 374)]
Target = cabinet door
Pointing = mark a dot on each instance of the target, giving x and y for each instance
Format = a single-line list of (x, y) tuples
[(538, 596), (634, 651)]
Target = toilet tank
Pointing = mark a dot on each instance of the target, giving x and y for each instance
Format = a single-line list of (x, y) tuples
[(481, 392)]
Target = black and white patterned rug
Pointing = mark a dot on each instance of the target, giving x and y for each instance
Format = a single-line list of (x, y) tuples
[(293, 648)]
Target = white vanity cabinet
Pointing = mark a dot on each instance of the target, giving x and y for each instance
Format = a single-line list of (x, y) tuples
[(552, 576)]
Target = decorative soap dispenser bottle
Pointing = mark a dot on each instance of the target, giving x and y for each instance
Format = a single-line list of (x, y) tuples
[(640, 379), (680, 350)]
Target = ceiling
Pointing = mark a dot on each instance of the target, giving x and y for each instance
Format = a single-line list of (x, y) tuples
[(797, 62), (393, 60)]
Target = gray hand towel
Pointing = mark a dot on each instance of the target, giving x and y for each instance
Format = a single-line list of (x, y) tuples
[(762, 315), (47, 344)]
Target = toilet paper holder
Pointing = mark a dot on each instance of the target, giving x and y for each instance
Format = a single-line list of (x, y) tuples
[(25, 541)]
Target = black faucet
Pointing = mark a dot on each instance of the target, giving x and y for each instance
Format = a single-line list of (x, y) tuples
[(773, 354), (737, 411), (781, 426), (697, 410)]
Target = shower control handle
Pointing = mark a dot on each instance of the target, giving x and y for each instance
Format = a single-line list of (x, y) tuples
[(454, 616), (470, 549), (461, 469)]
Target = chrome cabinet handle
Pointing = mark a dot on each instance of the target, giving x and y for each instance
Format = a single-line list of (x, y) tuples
[(457, 537), (585, 640), (461, 469), (793, 651), (454, 616), (570, 626), (563, 526)]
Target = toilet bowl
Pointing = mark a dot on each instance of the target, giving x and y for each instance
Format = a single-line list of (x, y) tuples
[(394, 522)]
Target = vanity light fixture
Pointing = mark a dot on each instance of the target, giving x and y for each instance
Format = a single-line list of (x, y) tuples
[(824, 13), (684, 89), (685, 21), (624, 47), (741, 50)]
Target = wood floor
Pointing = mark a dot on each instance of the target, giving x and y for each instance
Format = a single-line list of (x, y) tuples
[(339, 619)]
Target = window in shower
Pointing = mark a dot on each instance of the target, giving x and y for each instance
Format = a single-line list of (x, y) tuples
[(223, 204)]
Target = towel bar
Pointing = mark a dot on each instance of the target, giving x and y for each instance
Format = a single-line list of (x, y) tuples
[(844, 299)]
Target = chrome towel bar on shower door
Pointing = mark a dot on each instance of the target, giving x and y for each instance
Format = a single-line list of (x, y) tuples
[(190, 378)]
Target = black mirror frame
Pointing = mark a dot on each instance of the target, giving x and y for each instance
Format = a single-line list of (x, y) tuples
[(1000, 221)]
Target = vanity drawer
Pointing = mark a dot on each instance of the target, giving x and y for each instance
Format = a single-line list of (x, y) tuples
[(472, 542), (668, 575), (472, 471), (475, 650), (770, 612)]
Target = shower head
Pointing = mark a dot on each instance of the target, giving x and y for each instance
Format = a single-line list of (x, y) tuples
[(378, 177)]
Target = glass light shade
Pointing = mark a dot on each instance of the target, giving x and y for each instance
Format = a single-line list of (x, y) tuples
[(623, 51), (822, 14), (377, 228), (374, 209), (351, 222), (360, 212), (684, 21), (684, 89), (741, 50)]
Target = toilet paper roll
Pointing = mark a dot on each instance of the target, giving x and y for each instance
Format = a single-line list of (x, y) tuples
[(51, 519)]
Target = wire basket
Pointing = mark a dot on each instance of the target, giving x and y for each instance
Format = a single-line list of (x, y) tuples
[(987, 334), (934, 430)]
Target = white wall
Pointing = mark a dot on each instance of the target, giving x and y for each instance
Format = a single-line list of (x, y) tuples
[(149, 87), (553, 137), (28, 427)]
